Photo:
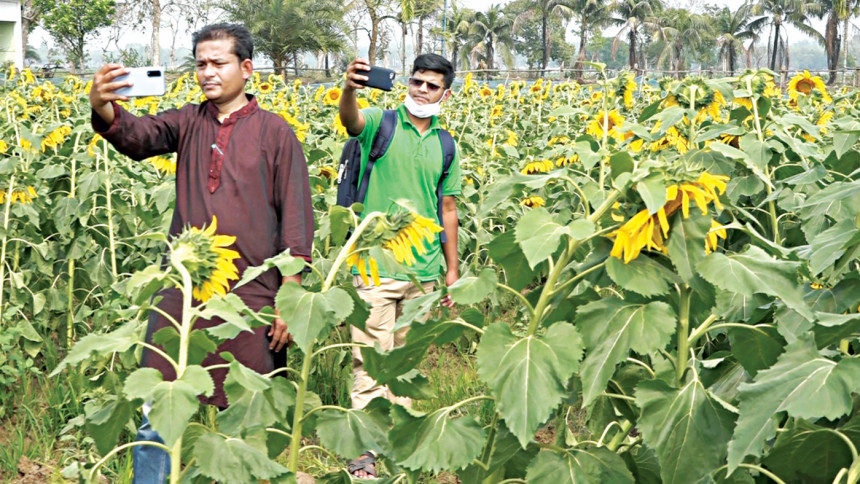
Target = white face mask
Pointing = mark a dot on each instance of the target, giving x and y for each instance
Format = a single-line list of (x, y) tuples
[(423, 110)]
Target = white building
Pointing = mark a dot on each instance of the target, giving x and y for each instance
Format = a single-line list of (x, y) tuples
[(10, 33)]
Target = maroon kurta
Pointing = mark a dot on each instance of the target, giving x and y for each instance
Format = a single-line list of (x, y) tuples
[(251, 173)]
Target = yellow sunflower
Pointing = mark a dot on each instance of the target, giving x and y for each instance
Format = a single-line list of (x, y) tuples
[(328, 172), (610, 121), (411, 238), (21, 195), (648, 231), (163, 165), (55, 138), (332, 96), (534, 167), (512, 139), (804, 83), (3, 146), (533, 202), (485, 91), (265, 88), (208, 260), (364, 264)]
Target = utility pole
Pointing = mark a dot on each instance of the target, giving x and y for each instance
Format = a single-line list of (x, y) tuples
[(444, 25)]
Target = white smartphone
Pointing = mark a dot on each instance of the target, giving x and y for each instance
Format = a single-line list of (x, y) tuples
[(146, 81)]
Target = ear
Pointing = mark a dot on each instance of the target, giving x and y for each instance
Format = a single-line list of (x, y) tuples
[(247, 68), (445, 96)]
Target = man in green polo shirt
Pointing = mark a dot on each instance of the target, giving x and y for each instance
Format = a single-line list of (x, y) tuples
[(410, 169)]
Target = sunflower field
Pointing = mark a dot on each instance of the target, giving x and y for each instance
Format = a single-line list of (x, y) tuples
[(659, 284)]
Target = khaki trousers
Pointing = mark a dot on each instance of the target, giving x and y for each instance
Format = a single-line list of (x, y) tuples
[(386, 304)]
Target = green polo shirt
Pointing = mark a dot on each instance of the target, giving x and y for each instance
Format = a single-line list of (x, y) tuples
[(410, 170)]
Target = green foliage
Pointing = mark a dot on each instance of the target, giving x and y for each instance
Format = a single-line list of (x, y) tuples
[(71, 22)]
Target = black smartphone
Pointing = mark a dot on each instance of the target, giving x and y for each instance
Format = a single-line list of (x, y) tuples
[(379, 78)]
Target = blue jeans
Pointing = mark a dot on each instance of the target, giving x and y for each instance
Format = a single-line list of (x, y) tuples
[(151, 464)]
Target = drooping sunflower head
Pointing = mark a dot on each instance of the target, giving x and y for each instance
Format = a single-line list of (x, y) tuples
[(19, 195), (805, 83), (328, 172), (55, 138), (625, 87), (413, 230), (533, 201), (536, 167), (208, 260), (163, 165)]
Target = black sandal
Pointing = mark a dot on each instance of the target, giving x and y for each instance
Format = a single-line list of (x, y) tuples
[(365, 462)]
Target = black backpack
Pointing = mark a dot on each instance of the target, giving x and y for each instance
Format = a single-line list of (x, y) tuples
[(352, 190)]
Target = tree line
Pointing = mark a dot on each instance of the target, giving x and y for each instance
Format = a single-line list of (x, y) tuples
[(652, 34)]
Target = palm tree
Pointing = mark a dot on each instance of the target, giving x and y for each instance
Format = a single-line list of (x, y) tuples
[(456, 33), (590, 15), (630, 16), (489, 30), (836, 11), (679, 29), (781, 12), (732, 29), (545, 8)]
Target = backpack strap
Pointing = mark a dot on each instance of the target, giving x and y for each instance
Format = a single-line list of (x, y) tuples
[(380, 145), (449, 149)]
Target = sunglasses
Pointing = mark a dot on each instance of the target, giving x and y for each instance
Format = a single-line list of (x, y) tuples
[(417, 83)]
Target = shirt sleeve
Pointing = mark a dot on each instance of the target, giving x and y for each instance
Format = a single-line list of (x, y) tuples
[(141, 137), (293, 197), (372, 120), (453, 185)]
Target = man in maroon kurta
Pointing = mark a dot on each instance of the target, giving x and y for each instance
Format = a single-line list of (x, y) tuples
[(235, 161)]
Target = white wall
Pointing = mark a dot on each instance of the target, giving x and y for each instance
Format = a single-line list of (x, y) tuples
[(10, 32)]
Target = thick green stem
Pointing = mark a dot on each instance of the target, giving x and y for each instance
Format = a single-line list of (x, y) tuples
[(111, 240), (684, 296), (774, 220), (184, 339), (619, 437), (347, 248), (298, 414), (70, 305), (6, 210), (549, 288)]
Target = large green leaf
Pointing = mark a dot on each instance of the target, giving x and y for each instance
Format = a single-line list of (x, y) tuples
[(802, 383), (471, 289), (101, 344), (828, 246), (252, 405), (105, 423), (754, 271), (173, 405), (310, 313), (686, 427), (758, 151), (499, 452), (686, 242), (653, 192), (435, 441), (808, 453), (610, 328), (231, 460), (528, 376), (230, 308), (414, 310), (641, 275), (505, 251), (830, 328), (756, 348), (352, 432), (199, 344), (578, 466), (286, 264), (539, 235), (387, 366)]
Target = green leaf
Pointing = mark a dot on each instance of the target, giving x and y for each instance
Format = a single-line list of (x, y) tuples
[(500, 451), (230, 460), (105, 424), (384, 367), (101, 344), (830, 329), (199, 344), (611, 327), (360, 308), (310, 313), (142, 285), (173, 405), (754, 271), (538, 235), (756, 348), (577, 466), (507, 253), (653, 192), (587, 156), (528, 376), (199, 380), (843, 141), (286, 264), (688, 430), (471, 289), (808, 453), (802, 383), (434, 442), (737, 154), (142, 382), (414, 310), (341, 221), (352, 432), (828, 246), (230, 308), (686, 242), (641, 275), (413, 385), (759, 152)]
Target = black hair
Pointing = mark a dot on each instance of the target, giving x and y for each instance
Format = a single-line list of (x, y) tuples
[(243, 43), (435, 63)]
